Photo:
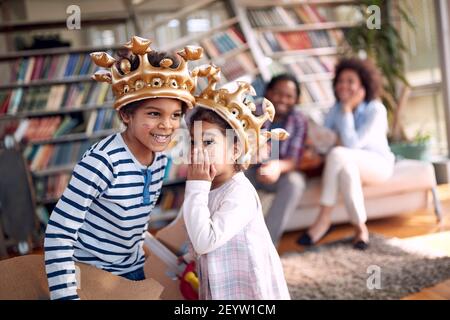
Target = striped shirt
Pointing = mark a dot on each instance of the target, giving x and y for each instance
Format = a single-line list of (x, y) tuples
[(102, 215)]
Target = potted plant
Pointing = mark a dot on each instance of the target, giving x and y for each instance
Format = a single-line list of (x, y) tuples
[(385, 46), (418, 148)]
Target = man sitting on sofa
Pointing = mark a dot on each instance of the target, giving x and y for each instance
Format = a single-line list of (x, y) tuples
[(280, 173)]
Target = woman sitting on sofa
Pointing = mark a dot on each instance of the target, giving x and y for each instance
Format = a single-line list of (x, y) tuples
[(362, 155)]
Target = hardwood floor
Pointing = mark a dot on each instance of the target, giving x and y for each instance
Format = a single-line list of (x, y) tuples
[(422, 225)]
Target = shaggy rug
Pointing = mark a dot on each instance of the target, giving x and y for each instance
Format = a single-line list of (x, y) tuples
[(390, 269)]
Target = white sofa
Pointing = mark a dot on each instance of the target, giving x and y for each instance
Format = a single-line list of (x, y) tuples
[(406, 191)]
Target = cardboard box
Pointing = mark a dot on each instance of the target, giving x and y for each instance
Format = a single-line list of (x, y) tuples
[(24, 278), (174, 237)]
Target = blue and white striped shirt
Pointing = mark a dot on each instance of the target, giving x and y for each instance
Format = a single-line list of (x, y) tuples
[(102, 215)]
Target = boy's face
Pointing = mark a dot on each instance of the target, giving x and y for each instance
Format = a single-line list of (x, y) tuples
[(283, 95), (154, 122)]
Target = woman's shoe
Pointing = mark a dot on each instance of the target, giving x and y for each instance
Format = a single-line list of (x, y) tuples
[(361, 245), (306, 240)]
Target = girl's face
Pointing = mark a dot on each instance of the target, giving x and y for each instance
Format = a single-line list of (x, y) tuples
[(347, 85), (211, 138), (154, 122)]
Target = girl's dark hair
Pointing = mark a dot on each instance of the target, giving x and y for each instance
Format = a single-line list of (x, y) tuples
[(203, 114), (284, 77), (367, 72)]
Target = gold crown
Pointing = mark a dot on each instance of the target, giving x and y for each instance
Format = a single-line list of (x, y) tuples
[(147, 81), (237, 110)]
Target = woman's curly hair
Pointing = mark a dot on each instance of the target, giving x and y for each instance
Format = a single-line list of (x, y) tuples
[(367, 72)]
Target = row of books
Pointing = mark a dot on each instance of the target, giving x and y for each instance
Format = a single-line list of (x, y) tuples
[(103, 119), (299, 40), (55, 97), (45, 128), (301, 14), (51, 187), (320, 91), (223, 42), (45, 156), (51, 67), (312, 65), (240, 65)]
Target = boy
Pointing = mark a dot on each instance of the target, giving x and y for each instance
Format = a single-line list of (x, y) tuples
[(103, 213)]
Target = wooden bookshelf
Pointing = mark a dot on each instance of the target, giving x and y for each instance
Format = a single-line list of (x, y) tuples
[(75, 137), (61, 111), (67, 168), (194, 38), (308, 27), (284, 33), (290, 3), (306, 52), (55, 51), (44, 82), (229, 46), (96, 20)]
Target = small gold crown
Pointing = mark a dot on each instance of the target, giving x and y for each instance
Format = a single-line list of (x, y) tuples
[(136, 79), (237, 110)]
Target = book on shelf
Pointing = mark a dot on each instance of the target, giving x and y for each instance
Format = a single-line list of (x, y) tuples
[(50, 188), (299, 40), (223, 42), (52, 97), (314, 75), (45, 156), (273, 16), (300, 14)]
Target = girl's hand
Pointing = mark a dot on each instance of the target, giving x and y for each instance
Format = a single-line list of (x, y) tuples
[(354, 101), (200, 167)]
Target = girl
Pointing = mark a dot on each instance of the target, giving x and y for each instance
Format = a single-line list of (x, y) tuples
[(224, 220), (103, 213)]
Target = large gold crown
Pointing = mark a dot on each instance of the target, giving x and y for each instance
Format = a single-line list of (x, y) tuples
[(134, 78), (237, 110)]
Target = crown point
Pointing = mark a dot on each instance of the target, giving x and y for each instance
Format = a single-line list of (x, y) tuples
[(191, 53), (102, 76), (125, 66), (269, 109), (102, 59), (166, 63), (277, 134), (138, 45)]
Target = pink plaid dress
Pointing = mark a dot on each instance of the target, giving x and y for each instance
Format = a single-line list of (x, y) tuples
[(236, 256)]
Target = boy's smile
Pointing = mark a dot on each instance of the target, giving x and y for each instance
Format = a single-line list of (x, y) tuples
[(150, 127)]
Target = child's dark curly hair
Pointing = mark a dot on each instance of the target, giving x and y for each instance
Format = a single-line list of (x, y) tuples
[(367, 72)]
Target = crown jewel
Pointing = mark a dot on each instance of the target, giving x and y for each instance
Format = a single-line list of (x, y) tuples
[(134, 78), (237, 110)]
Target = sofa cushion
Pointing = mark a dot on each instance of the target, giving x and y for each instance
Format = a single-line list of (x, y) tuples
[(409, 176)]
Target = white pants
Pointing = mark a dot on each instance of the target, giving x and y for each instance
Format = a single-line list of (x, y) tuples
[(346, 170)]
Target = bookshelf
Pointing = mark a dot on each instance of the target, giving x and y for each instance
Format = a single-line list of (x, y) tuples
[(55, 111), (304, 37)]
